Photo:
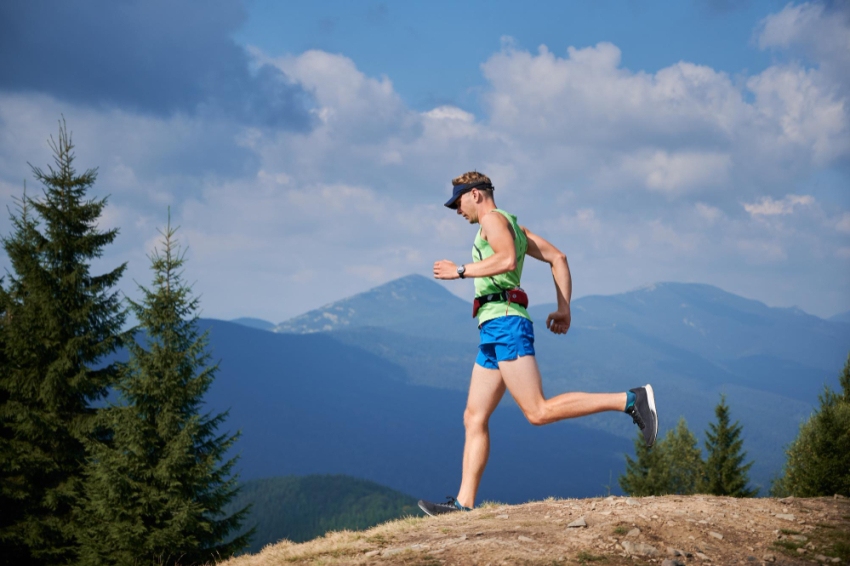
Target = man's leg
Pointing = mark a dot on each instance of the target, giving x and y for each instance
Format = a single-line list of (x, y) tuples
[(522, 378), (486, 389)]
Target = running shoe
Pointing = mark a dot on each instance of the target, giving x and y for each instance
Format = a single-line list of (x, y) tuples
[(643, 413), (434, 509)]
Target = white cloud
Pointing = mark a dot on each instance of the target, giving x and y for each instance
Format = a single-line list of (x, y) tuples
[(637, 176), (770, 207)]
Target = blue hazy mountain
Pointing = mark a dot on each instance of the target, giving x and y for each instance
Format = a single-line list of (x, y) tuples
[(693, 342), (409, 305), (312, 404), (254, 323), (300, 508), (841, 317)]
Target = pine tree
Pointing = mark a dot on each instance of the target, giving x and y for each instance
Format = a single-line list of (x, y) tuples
[(683, 460), (158, 487), (60, 323), (724, 472), (819, 458), (672, 466), (647, 473)]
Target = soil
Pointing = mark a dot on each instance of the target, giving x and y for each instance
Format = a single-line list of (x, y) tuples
[(668, 531)]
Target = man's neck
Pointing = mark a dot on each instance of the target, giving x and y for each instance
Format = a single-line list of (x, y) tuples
[(485, 208)]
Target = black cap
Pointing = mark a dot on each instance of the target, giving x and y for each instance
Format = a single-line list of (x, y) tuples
[(460, 189)]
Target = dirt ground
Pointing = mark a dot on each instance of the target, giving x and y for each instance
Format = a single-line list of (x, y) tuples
[(669, 531)]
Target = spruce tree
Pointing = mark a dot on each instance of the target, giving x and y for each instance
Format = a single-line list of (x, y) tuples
[(60, 323), (646, 474), (724, 472), (683, 460), (672, 466), (158, 487), (819, 458)]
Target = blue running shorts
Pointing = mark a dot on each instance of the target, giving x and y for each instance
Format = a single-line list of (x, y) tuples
[(504, 339)]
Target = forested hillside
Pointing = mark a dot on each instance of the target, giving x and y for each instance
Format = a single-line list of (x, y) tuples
[(301, 508)]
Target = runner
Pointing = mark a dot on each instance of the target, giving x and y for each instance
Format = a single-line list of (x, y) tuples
[(506, 352)]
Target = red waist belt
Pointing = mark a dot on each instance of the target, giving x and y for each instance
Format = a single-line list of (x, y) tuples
[(517, 296)]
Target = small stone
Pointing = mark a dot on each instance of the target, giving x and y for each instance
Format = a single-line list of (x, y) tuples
[(821, 558), (751, 558), (801, 551), (639, 548), (786, 516), (501, 516), (702, 556), (633, 533), (670, 562), (674, 552), (718, 536), (769, 557), (373, 553), (392, 551), (630, 501), (524, 539), (836, 560), (580, 522), (799, 538)]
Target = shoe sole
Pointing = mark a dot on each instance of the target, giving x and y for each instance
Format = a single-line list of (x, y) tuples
[(650, 399), (425, 510)]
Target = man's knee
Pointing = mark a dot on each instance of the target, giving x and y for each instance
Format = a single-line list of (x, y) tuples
[(473, 419), (536, 416)]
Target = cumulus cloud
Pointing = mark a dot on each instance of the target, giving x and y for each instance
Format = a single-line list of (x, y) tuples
[(681, 174), (818, 30), (157, 56), (770, 207)]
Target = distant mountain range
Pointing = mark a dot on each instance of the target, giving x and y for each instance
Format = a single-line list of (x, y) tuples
[(691, 341), (303, 508)]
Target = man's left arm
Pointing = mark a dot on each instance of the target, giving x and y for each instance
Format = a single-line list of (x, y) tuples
[(539, 248)]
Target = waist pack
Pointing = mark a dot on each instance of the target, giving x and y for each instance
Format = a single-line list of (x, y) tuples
[(516, 295)]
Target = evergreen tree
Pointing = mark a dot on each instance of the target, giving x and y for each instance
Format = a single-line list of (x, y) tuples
[(646, 474), (672, 466), (60, 323), (158, 487), (683, 460), (819, 458), (724, 472)]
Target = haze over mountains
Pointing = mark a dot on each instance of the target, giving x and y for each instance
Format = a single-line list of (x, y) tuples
[(691, 341)]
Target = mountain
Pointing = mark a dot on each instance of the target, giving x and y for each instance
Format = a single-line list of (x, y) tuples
[(691, 341), (254, 323), (303, 508), (410, 305), (841, 317), (312, 404)]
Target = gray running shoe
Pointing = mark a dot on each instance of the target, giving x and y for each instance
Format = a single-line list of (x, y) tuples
[(643, 413), (434, 509)]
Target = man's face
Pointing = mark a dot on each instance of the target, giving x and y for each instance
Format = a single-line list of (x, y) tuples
[(466, 207)]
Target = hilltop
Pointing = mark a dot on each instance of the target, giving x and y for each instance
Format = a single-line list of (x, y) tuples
[(666, 530)]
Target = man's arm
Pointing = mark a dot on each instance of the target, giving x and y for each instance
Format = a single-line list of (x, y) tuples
[(494, 228), (538, 248)]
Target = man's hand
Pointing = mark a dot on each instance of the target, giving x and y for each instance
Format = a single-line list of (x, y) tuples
[(559, 321), (445, 269)]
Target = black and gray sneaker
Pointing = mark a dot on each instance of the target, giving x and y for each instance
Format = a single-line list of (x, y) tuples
[(435, 509), (643, 413)]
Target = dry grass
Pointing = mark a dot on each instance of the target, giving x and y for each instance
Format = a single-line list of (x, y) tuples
[(725, 530)]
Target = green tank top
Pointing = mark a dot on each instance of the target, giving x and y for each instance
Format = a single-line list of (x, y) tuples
[(486, 285)]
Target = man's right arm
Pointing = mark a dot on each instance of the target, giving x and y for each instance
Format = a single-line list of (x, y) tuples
[(539, 248)]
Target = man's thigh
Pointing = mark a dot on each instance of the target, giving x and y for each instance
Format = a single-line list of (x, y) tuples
[(486, 389), (522, 378)]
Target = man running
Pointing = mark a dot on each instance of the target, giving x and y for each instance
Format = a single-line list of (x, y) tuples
[(506, 352)]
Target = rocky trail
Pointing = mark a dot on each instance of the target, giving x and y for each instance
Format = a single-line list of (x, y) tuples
[(668, 531)]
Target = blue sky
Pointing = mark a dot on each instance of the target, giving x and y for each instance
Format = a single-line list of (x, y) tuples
[(305, 148)]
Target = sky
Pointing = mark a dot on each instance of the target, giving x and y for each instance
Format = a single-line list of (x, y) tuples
[(305, 150)]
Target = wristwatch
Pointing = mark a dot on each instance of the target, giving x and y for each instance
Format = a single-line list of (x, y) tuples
[(461, 270)]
